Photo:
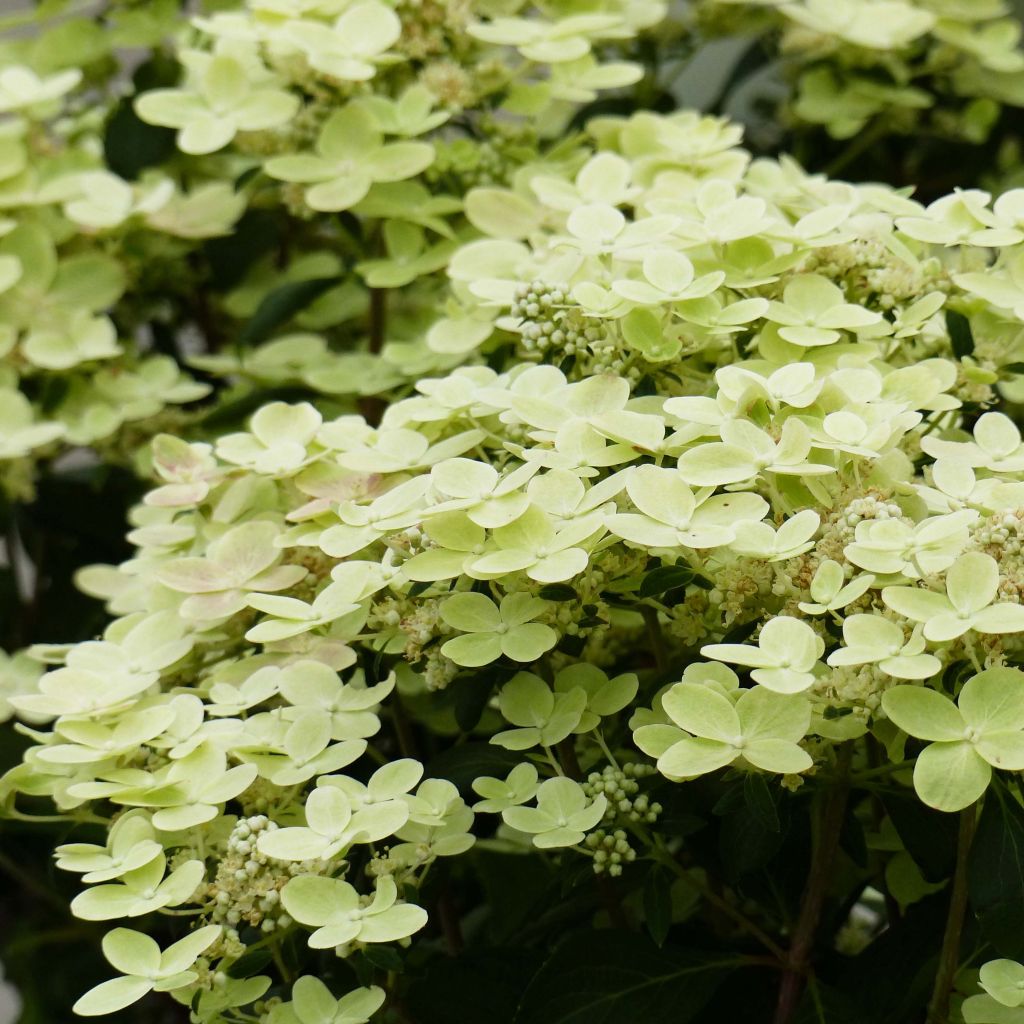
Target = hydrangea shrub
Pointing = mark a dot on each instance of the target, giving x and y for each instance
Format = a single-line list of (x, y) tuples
[(579, 563)]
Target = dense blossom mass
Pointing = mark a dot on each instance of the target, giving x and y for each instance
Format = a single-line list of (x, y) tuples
[(686, 462)]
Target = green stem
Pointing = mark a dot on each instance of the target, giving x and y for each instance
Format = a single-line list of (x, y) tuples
[(860, 145), (949, 957), (736, 916), (655, 635), (825, 840), (282, 967)]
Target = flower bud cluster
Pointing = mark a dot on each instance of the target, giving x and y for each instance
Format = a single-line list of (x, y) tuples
[(611, 851), (1001, 535), (621, 788), (246, 890)]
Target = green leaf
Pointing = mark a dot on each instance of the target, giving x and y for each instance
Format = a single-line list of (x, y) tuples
[(557, 592), (642, 328), (468, 761), (760, 802), (250, 964), (130, 145), (609, 977), (281, 305), (488, 981), (960, 333), (745, 844), (387, 958), (996, 872), (665, 577), (929, 836), (470, 694), (658, 904)]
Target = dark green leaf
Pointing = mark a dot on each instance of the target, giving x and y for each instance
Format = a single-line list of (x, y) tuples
[(230, 257), (478, 987), (745, 845), (960, 333), (233, 414), (929, 836), (387, 958), (470, 694), (658, 904), (246, 176), (760, 802), (731, 800), (996, 872), (281, 305), (250, 964), (1012, 368), (557, 592), (616, 977), (665, 577), (853, 841), (464, 763), (130, 145)]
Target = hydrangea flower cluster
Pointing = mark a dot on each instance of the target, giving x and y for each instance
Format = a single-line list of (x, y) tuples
[(113, 206), (695, 489)]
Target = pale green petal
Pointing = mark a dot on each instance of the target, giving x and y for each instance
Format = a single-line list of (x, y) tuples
[(1004, 979), (317, 900), (301, 167), (348, 134), (923, 713), (206, 134), (528, 642), (474, 649), (471, 612), (695, 756), (313, 1001), (1004, 750), (765, 713), (399, 161), (999, 618), (339, 193), (972, 581), (183, 954), (915, 603), (112, 996), (993, 701), (951, 776), (780, 756), (714, 464), (293, 844), (702, 711), (396, 922), (131, 952)]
